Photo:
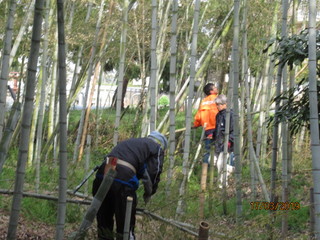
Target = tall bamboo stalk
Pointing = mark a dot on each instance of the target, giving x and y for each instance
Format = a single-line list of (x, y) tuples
[(173, 79), (63, 153), (8, 132), (22, 31), (154, 67), (314, 117), (88, 110), (121, 70), (186, 152), (78, 146), (26, 119), (52, 95), (235, 50), (83, 130), (42, 90), (284, 129), (265, 94), (280, 75), (5, 63)]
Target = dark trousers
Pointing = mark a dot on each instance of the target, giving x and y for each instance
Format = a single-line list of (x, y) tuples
[(114, 204)]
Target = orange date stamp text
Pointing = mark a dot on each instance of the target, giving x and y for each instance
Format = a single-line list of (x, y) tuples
[(274, 206)]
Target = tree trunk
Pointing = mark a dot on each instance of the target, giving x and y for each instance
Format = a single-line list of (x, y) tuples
[(26, 119)]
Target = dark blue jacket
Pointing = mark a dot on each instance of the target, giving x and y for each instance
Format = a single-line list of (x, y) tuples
[(220, 131), (145, 155)]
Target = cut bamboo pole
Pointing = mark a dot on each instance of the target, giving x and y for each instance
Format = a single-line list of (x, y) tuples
[(96, 202), (204, 176), (312, 217), (203, 185)]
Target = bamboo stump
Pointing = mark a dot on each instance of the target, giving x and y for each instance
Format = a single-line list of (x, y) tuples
[(203, 231)]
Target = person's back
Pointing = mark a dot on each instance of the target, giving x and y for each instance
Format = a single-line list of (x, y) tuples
[(221, 129), (220, 132)]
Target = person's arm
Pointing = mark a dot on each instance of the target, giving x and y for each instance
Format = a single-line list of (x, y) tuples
[(147, 184), (197, 120), (151, 176), (231, 127)]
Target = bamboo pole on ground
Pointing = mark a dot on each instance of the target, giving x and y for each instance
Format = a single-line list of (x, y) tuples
[(45, 197)]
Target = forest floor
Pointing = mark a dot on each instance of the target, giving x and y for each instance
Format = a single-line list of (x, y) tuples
[(26, 230), (255, 223), (33, 230)]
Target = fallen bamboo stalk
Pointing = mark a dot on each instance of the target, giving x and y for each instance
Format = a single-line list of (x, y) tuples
[(176, 131), (46, 197), (180, 225), (155, 216)]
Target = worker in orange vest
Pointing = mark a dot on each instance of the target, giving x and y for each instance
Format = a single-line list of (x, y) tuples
[(206, 116)]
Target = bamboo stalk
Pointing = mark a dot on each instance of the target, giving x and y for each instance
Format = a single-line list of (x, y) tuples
[(96, 203), (46, 197), (203, 189), (312, 217), (197, 152)]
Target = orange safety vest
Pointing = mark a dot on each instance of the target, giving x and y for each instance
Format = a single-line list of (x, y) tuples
[(207, 113)]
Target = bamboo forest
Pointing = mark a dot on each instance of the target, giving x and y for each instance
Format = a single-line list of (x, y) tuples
[(86, 86)]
